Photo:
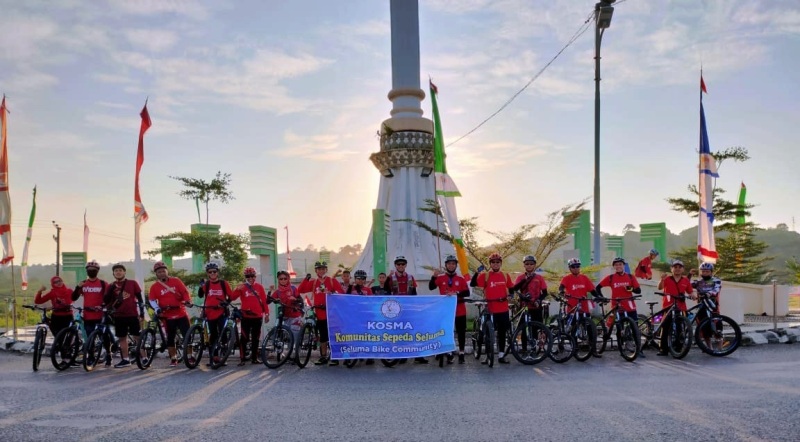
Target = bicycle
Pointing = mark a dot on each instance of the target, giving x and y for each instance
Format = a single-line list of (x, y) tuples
[(100, 339), (627, 333), (529, 332), (482, 331), (579, 329), (716, 335), (68, 343), (196, 339), (277, 346), (309, 337), (679, 335), (41, 335), (228, 337), (150, 342)]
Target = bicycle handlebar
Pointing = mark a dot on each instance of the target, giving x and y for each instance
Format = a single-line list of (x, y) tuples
[(674, 296)]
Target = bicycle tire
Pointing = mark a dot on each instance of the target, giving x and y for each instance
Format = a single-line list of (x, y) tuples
[(585, 339), (147, 345), (93, 350), (193, 346), (648, 341), (221, 349), (64, 349), (680, 342), (306, 345), (276, 348), (563, 344), (179, 345), (603, 336), (719, 334), (489, 338), (627, 336), (38, 347), (389, 362), (536, 351)]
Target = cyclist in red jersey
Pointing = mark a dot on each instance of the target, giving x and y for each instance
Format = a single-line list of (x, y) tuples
[(320, 287), (92, 289), (254, 310), (360, 287), (288, 296), (674, 284), (496, 286), (168, 296), (533, 287), (125, 297), (577, 285), (399, 282), (644, 269), (61, 299), (215, 291), (623, 285), (451, 283)]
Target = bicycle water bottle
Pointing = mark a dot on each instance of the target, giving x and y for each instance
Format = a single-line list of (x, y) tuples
[(690, 316)]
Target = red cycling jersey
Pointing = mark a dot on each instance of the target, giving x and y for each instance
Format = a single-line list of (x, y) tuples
[(398, 284), (672, 287), (644, 269), (92, 292), (124, 297), (292, 308), (453, 285), (215, 294), (254, 300), (578, 286), (320, 287), (495, 287), (534, 287), (364, 290), (618, 283), (60, 297), (170, 296)]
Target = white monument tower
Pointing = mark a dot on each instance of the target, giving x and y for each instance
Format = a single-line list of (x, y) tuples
[(405, 159)]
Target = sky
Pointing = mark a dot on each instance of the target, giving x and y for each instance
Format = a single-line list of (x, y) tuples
[(288, 96)]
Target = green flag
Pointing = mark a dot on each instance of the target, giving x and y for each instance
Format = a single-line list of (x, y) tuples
[(24, 267), (444, 184), (740, 210)]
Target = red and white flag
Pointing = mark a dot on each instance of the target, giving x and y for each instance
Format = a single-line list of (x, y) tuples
[(5, 197), (139, 214)]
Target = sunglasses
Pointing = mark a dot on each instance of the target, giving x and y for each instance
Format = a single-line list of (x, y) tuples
[(400, 264), (210, 272), (282, 278), (57, 281), (495, 261), (249, 276)]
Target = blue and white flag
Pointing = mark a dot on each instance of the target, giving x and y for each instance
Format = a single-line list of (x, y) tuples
[(706, 248)]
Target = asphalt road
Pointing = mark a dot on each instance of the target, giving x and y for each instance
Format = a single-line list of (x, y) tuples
[(751, 395)]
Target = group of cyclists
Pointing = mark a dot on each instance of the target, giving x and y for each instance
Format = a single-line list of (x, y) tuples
[(169, 297)]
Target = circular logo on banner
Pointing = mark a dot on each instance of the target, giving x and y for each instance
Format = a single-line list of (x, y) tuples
[(390, 309)]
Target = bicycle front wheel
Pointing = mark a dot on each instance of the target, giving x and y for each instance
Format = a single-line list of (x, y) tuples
[(389, 362), (628, 339), (147, 349), (277, 347), (488, 337), (93, 351), (38, 347), (563, 345), (64, 351), (193, 346), (603, 336), (585, 340), (222, 348), (718, 335), (179, 346), (679, 340), (531, 343), (306, 344), (647, 338)]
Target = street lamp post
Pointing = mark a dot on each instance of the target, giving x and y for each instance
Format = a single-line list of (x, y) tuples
[(57, 238), (603, 11)]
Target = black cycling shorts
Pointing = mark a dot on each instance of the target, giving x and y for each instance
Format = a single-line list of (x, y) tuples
[(126, 326), (322, 329)]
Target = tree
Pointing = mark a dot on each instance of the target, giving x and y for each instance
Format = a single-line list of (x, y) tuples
[(228, 247), (794, 267), (539, 240), (782, 227), (628, 228), (200, 190)]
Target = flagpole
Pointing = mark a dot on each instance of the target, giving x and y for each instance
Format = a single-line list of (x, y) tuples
[(438, 203), (14, 303)]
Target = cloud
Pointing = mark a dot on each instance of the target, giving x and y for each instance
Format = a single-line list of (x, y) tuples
[(321, 147), (153, 40), (131, 124), (28, 79), (189, 8), (23, 36)]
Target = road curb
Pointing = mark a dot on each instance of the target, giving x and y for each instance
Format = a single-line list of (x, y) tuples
[(789, 335)]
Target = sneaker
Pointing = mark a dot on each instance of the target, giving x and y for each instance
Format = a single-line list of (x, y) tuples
[(333, 363), (76, 363), (502, 360), (191, 360), (641, 355), (108, 362), (597, 355), (485, 362), (662, 353), (461, 358), (321, 361), (257, 361), (173, 363), (123, 363), (420, 361)]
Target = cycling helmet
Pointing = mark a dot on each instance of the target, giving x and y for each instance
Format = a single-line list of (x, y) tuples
[(400, 259), (212, 266), (529, 258), (360, 274), (450, 258), (92, 265), (495, 257), (618, 259), (159, 265), (654, 252), (281, 272), (573, 262), (677, 262), (707, 266), (118, 266), (249, 271), (320, 265)]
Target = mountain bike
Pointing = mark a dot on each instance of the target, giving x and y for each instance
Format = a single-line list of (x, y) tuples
[(715, 334), (229, 337), (41, 334), (154, 339), (98, 341), (68, 343), (574, 330), (679, 334), (531, 341), (309, 337), (197, 339), (277, 346), (626, 330), (482, 331)]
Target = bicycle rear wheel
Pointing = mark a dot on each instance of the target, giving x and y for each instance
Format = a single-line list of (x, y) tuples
[(277, 347), (718, 335), (647, 339), (222, 348), (488, 336), (38, 347), (147, 349), (93, 351), (389, 362), (585, 339), (179, 346), (66, 346), (306, 345), (679, 340), (628, 339), (531, 343), (563, 344), (603, 336), (193, 346)]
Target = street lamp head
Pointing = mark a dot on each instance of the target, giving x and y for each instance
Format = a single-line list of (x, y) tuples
[(604, 14)]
